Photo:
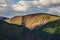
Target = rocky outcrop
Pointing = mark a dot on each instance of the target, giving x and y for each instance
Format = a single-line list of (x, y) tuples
[(31, 21), (15, 20)]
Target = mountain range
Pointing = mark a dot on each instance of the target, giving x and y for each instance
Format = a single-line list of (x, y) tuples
[(32, 20), (39, 26)]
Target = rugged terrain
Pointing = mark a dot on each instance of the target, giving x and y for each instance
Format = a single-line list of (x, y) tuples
[(33, 20), (38, 26)]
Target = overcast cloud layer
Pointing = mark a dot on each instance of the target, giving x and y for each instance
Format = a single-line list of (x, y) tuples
[(10, 8)]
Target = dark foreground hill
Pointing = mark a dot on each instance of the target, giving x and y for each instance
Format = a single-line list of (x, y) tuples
[(15, 32), (49, 31)]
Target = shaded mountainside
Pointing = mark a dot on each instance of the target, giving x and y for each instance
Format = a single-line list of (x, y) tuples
[(49, 31), (33, 20), (15, 32)]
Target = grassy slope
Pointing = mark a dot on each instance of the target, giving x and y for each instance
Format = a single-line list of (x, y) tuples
[(53, 27)]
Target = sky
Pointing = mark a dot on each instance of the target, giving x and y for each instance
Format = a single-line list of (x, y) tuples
[(10, 8)]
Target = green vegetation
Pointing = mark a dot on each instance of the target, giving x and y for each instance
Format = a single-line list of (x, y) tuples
[(52, 27), (49, 31)]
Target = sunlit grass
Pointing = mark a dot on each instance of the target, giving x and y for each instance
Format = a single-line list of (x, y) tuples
[(49, 30), (53, 27)]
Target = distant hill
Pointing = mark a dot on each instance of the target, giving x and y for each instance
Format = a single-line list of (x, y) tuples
[(49, 31), (33, 20), (15, 32), (3, 18)]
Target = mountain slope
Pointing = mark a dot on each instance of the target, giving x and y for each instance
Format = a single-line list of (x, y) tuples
[(15, 20), (53, 27), (15, 32), (45, 27), (39, 19), (49, 31), (33, 20)]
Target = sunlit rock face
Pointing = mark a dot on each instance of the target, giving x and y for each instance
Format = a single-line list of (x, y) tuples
[(15, 20), (33, 20)]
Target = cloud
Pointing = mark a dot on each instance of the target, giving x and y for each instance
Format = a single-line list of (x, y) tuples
[(54, 10), (43, 3), (3, 5), (21, 6), (2, 1), (37, 6), (24, 5)]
